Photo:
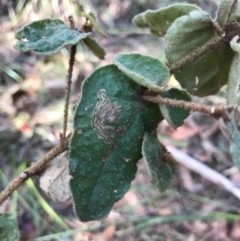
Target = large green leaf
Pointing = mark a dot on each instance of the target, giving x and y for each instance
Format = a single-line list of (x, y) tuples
[(8, 227), (145, 70), (224, 9), (188, 33), (109, 123), (233, 93), (47, 36), (95, 47), (233, 98), (158, 21), (209, 73), (158, 161), (173, 115)]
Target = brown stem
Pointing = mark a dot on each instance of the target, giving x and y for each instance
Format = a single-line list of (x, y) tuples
[(231, 7), (217, 28), (215, 111), (71, 21), (196, 54), (68, 88), (232, 29), (73, 51), (34, 169)]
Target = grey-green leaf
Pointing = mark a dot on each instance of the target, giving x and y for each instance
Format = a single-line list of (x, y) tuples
[(158, 21), (234, 135), (145, 70), (47, 36), (95, 47), (223, 12), (106, 143), (173, 115), (158, 162), (233, 93), (207, 74), (233, 98), (235, 44), (8, 227), (187, 33), (151, 115)]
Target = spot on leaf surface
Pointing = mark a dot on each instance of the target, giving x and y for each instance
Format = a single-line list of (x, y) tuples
[(105, 116)]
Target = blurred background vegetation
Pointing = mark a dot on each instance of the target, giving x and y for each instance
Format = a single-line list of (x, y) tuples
[(31, 109)]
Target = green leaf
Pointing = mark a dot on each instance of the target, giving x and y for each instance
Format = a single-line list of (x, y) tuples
[(145, 70), (47, 36), (95, 47), (208, 74), (233, 98), (109, 124), (234, 135), (173, 115), (224, 9), (8, 227), (151, 115), (190, 31), (233, 94), (158, 21), (158, 161)]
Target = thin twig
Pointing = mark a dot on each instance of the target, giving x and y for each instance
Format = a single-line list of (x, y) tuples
[(232, 29), (196, 54), (204, 171), (73, 51), (217, 28), (34, 169), (215, 111)]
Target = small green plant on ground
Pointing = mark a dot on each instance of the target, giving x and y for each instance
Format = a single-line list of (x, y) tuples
[(121, 104)]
